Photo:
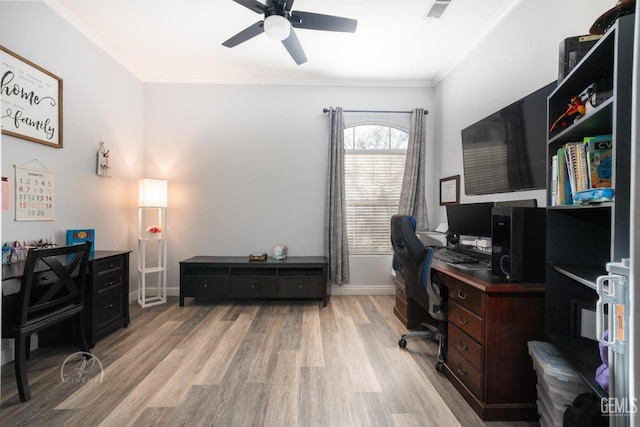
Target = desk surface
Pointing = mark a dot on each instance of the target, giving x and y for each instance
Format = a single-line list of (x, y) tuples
[(16, 269), (485, 280)]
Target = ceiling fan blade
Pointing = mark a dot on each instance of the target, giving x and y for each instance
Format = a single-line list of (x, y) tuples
[(295, 48), (246, 34), (316, 21), (254, 5)]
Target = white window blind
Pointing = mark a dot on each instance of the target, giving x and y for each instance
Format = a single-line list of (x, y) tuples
[(373, 180)]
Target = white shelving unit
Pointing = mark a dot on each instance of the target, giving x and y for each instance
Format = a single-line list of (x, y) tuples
[(152, 258), (152, 246)]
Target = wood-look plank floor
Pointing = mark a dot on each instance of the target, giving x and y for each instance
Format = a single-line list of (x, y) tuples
[(271, 363)]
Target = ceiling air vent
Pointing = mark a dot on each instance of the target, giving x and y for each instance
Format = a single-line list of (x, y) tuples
[(438, 8)]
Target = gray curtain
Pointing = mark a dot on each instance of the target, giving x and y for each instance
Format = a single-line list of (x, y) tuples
[(336, 246), (412, 196)]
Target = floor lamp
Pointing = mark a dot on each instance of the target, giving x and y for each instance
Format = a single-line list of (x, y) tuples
[(152, 242)]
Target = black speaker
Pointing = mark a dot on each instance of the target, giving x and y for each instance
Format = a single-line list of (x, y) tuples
[(518, 243)]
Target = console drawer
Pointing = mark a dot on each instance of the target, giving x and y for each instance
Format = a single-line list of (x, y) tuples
[(467, 321), (465, 345), (466, 373), (253, 287), (465, 295), (203, 286), (299, 287)]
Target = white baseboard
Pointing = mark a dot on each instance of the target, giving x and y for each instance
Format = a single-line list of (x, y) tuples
[(363, 290), (335, 290)]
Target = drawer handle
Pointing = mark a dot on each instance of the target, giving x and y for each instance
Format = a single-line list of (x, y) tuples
[(463, 321), (43, 278), (463, 372), (106, 285), (461, 347), (462, 295), (109, 306)]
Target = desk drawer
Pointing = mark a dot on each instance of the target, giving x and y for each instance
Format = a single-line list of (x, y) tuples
[(466, 346), (108, 280), (203, 286), (466, 373), (467, 321), (402, 306), (300, 287), (253, 287), (109, 308), (400, 291), (109, 264), (465, 295)]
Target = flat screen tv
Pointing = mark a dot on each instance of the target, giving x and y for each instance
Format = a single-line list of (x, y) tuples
[(506, 151)]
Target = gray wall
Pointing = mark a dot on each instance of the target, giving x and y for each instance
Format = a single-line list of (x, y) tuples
[(247, 166)]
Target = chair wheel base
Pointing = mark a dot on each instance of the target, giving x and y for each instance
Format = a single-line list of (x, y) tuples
[(402, 343), (440, 367)]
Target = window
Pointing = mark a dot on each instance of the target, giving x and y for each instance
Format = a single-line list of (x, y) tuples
[(374, 165)]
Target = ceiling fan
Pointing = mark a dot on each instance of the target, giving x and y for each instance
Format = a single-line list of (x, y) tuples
[(279, 22)]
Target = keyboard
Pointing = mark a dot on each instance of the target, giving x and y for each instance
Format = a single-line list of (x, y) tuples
[(454, 257)]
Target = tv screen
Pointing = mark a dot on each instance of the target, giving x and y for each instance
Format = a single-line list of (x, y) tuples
[(470, 219), (506, 151)]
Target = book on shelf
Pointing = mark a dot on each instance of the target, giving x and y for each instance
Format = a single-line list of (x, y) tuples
[(554, 180), (563, 187), (576, 159), (599, 154)]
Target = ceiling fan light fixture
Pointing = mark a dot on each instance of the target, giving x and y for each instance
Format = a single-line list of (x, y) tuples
[(277, 27)]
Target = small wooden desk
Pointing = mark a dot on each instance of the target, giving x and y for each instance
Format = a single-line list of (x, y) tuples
[(490, 322), (238, 278), (106, 293)]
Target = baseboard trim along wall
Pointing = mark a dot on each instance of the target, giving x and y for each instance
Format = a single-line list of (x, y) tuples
[(335, 290)]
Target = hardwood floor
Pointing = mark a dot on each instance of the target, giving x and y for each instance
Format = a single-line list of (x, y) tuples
[(274, 363)]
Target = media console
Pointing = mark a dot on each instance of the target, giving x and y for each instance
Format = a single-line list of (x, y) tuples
[(239, 278)]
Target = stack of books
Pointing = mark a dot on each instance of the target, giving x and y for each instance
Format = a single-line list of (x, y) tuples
[(581, 172)]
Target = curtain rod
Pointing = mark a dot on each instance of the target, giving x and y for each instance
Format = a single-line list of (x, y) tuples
[(326, 110)]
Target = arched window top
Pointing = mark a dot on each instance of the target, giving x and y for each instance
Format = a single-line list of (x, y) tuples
[(375, 136)]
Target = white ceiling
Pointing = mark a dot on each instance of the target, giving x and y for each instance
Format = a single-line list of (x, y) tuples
[(180, 40)]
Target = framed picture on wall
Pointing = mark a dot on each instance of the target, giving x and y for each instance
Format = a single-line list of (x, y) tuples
[(31, 100), (450, 190)]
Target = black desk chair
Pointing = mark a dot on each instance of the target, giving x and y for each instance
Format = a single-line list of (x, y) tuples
[(52, 290), (413, 262)]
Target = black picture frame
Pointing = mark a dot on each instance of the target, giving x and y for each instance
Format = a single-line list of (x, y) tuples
[(450, 190)]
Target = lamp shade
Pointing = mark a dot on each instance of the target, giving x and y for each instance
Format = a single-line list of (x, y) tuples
[(277, 27), (152, 193)]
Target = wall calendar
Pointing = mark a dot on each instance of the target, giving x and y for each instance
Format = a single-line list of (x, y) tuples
[(35, 199)]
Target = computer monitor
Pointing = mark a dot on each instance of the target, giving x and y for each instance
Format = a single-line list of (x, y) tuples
[(470, 219)]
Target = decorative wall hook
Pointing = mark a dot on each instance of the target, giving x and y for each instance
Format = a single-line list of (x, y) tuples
[(102, 164)]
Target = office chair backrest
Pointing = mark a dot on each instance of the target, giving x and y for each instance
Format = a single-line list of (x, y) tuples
[(413, 261), (53, 283), (410, 255)]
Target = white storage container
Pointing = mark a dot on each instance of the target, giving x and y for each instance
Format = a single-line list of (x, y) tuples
[(558, 382)]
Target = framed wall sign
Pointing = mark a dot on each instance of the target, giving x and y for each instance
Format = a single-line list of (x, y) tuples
[(31, 100), (450, 190)]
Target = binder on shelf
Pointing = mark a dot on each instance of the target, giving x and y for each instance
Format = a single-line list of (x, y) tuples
[(600, 161)]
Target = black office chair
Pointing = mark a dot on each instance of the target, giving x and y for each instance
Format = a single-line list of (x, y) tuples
[(413, 262), (52, 290)]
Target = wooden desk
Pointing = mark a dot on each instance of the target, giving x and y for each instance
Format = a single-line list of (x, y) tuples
[(239, 278), (490, 322), (106, 293)]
